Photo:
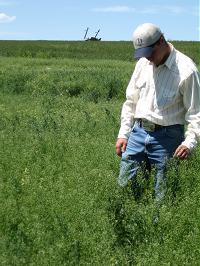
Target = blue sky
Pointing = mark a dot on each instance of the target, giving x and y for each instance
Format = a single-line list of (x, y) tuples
[(68, 20)]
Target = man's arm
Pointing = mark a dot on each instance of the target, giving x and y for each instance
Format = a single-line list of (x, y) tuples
[(127, 116), (191, 100)]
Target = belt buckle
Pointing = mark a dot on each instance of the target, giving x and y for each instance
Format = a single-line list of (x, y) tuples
[(148, 126)]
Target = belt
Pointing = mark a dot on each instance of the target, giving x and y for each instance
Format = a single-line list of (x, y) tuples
[(148, 125)]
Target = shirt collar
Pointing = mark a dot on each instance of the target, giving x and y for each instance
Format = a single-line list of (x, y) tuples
[(171, 58)]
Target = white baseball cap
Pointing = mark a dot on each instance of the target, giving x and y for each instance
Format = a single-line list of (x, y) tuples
[(144, 37)]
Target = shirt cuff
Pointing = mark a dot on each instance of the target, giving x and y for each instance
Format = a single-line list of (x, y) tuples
[(190, 144), (124, 136)]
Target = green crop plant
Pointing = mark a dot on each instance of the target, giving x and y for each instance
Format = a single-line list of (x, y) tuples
[(60, 105)]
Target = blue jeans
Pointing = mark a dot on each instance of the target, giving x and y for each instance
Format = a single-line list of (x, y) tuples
[(145, 149)]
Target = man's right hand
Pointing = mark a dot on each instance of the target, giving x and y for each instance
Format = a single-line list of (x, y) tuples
[(121, 146)]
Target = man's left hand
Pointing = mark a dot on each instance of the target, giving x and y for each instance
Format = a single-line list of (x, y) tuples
[(182, 152)]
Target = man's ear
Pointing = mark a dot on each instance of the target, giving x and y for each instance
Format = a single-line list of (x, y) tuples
[(162, 39)]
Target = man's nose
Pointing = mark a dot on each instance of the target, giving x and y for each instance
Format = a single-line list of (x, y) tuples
[(149, 58)]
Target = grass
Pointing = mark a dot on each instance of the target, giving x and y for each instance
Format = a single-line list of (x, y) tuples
[(60, 202), (93, 79), (84, 50), (48, 172)]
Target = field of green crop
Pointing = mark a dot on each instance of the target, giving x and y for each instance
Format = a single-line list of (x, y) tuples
[(60, 105)]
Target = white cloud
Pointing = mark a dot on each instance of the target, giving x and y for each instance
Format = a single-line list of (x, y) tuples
[(150, 10), (174, 9), (118, 9), (6, 3), (157, 9), (162, 9), (5, 18)]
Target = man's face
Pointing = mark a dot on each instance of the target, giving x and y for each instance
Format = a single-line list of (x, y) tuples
[(157, 54)]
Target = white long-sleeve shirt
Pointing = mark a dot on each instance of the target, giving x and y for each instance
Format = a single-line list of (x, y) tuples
[(166, 95)]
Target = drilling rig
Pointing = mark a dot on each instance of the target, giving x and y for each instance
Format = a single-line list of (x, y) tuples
[(92, 38)]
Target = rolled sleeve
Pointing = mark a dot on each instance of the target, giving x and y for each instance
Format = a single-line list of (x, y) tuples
[(191, 100), (128, 109)]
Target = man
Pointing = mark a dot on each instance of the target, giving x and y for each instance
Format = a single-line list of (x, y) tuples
[(162, 96)]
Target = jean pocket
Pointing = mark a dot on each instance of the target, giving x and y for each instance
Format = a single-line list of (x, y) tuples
[(135, 126), (175, 131)]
